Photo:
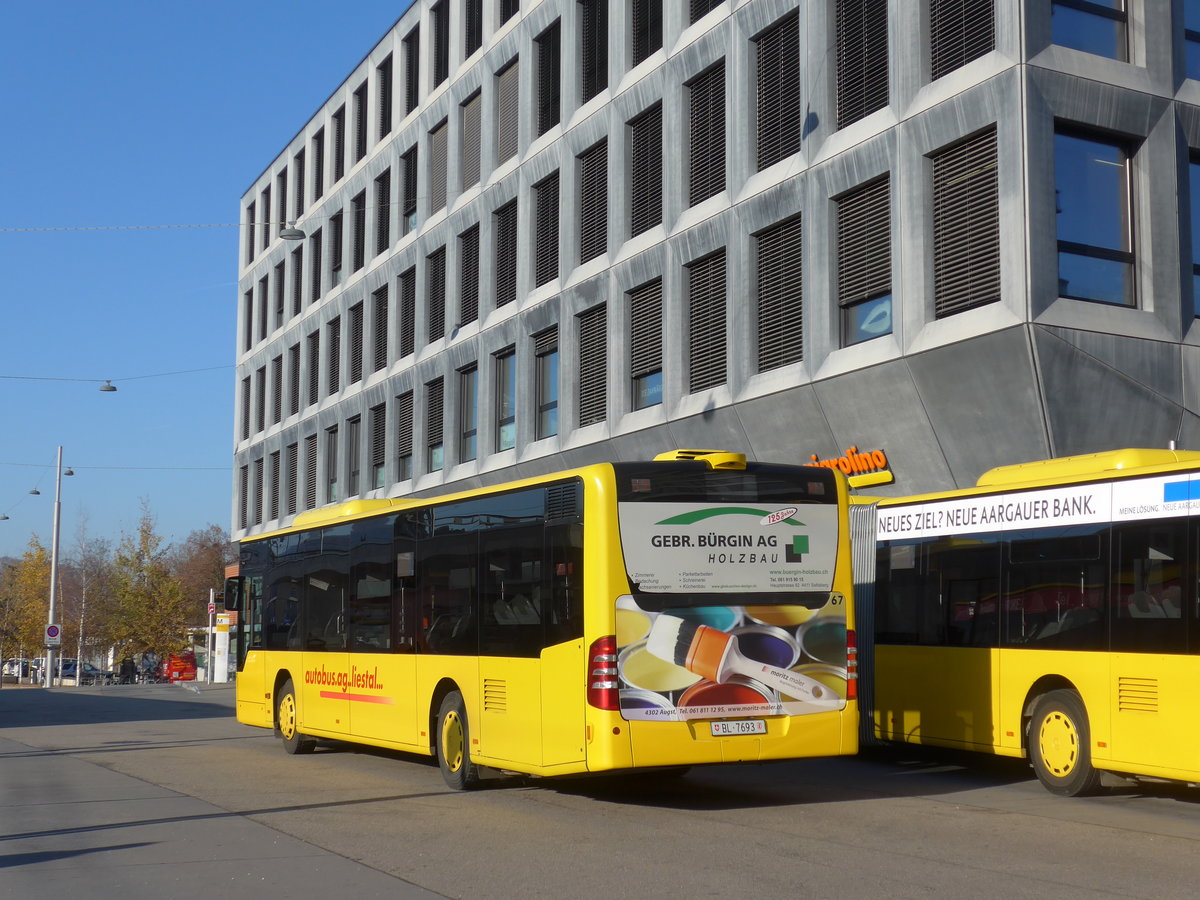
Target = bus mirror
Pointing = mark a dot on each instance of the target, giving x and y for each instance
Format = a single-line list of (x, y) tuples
[(233, 593)]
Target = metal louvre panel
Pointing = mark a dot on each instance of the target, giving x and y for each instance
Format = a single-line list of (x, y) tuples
[(779, 91), (358, 209), (360, 122), (273, 508), (959, 31), (319, 164), (593, 23), (408, 313), (334, 355), (471, 140), (314, 367), (645, 329), (339, 143), (277, 390), (647, 28), (545, 341), (440, 16), (593, 202), (780, 295), (260, 398), (438, 140), (862, 59), (258, 491), (298, 171), (473, 25), (966, 226), (404, 424), (314, 268), (294, 379), (864, 243), (706, 322), (546, 236), (383, 212), (266, 211), (280, 292), (292, 461), (310, 472), (549, 50), (706, 110), (593, 366), (645, 170), (701, 8), (434, 411), (468, 289), (378, 425), (506, 254), (336, 234), (383, 96), (409, 208), (435, 285), (412, 57), (245, 408), (297, 280), (507, 110), (508, 9), (281, 186), (243, 492), (356, 343), (250, 228), (379, 323)]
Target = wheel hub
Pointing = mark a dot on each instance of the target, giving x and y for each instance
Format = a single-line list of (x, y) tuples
[(452, 741), (1058, 740)]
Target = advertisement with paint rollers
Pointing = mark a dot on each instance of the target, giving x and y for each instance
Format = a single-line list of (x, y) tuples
[(745, 659)]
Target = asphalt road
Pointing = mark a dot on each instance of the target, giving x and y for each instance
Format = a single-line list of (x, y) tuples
[(136, 791)]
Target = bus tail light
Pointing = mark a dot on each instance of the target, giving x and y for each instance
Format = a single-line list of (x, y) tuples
[(851, 665), (602, 690)]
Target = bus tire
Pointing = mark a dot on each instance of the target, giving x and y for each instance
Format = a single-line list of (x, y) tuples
[(1060, 745), (454, 744), (287, 721)]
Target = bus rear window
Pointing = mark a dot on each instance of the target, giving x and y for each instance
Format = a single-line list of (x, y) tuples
[(695, 482)]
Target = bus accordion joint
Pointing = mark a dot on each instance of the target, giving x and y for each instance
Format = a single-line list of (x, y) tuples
[(716, 459)]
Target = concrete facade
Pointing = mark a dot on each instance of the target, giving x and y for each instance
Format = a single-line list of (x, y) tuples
[(1030, 375)]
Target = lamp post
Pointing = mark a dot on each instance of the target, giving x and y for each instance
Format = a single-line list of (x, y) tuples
[(49, 682)]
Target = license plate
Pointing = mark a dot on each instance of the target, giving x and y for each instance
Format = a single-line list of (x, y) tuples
[(729, 727)]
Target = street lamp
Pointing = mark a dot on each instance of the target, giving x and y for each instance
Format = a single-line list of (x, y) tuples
[(49, 682)]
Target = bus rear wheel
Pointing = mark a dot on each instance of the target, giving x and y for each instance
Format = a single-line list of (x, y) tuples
[(1060, 745), (287, 722), (454, 744)]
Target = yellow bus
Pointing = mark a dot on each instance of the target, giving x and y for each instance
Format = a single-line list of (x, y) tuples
[(692, 609), (1052, 612)]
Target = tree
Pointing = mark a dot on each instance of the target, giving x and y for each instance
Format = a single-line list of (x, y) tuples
[(150, 610), (24, 602), (85, 588), (199, 564)]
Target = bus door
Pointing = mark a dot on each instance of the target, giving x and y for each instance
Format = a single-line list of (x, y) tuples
[(326, 672)]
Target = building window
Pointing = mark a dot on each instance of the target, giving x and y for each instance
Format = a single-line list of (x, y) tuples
[(437, 166), (273, 496), (277, 390), (338, 121), (545, 357), (353, 455), (706, 147), (356, 343), (966, 225), (780, 298), (360, 122), (1093, 27), (1191, 37), (645, 28), (862, 59), (291, 478), (435, 288), (314, 266), (378, 426), (593, 34), (260, 398), (408, 210), (645, 170), (336, 233), (468, 414), (281, 187), (280, 292), (293, 379), (332, 495), (439, 15), (247, 320), (778, 67), (408, 313), (645, 344), (318, 146), (506, 399), (471, 140), (472, 26), (468, 280), (1095, 234), (549, 63), (706, 322), (246, 408), (266, 212), (545, 266), (434, 417), (383, 212), (507, 110), (383, 94), (299, 174), (243, 496), (412, 67), (593, 202), (404, 436), (864, 259), (333, 346), (310, 472), (297, 280), (959, 31), (314, 367), (251, 233), (508, 9), (593, 366), (358, 213), (505, 221), (257, 497), (263, 286), (379, 329), (701, 8)]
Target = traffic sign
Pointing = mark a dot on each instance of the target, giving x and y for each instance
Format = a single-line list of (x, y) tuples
[(53, 635), (212, 608)]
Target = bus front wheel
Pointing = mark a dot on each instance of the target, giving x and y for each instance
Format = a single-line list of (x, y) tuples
[(1060, 745), (287, 721), (454, 744)]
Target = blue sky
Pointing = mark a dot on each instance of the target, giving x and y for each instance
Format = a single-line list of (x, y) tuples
[(139, 114)]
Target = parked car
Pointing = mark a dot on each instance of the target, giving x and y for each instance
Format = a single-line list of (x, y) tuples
[(89, 675)]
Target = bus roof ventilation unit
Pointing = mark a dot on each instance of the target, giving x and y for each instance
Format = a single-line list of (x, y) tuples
[(716, 459)]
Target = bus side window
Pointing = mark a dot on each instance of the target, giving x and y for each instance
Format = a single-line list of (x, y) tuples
[(1147, 592), (564, 579), (1056, 587), (511, 598)]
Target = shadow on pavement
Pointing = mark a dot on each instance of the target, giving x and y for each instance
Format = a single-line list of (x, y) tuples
[(33, 707)]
